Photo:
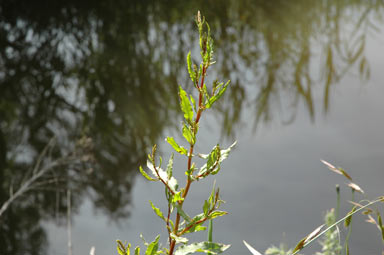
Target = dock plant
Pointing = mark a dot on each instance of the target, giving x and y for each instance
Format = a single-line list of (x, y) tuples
[(177, 221)]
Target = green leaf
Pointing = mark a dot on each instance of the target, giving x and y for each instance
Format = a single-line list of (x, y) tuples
[(217, 214), (177, 197), (189, 135), (193, 103), (179, 239), (347, 221), (157, 211), (206, 207), (178, 148), (190, 71), (137, 250), (123, 249), (172, 182), (170, 166), (185, 105), (196, 228), (380, 223), (212, 161), (215, 97), (214, 248), (153, 247), (146, 175), (225, 153), (182, 213), (213, 157)]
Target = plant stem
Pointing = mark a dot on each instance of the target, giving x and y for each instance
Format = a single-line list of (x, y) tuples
[(350, 227)]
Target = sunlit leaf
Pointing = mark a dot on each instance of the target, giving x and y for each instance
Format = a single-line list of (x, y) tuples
[(192, 74), (193, 103), (176, 147), (123, 249), (171, 182), (185, 105), (217, 214), (179, 239), (153, 247), (157, 211), (196, 228), (215, 97), (251, 249), (188, 135), (206, 207), (146, 175), (170, 166), (137, 250), (177, 197), (214, 248)]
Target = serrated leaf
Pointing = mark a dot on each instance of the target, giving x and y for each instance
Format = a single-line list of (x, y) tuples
[(251, 249), (153, 247), (176, 147), (192, 74), (179, 239), (347, 221), (206, 247), (215, 97), (217, 214), (185, 105), (157, 211), (188, 135), (146, 175)]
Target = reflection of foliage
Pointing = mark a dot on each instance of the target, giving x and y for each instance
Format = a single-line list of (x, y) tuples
[(100, 68)]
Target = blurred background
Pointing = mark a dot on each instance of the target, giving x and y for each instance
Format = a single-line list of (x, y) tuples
[(306, 84)]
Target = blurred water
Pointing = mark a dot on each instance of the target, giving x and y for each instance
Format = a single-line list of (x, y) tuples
[(300, 93)]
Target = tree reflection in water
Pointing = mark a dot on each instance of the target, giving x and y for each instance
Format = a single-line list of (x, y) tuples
[(110, 71)]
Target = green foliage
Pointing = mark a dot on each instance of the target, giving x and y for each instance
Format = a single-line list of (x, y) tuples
[(192, 110)]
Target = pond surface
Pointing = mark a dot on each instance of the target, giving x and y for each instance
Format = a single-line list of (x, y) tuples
[(306, 84)]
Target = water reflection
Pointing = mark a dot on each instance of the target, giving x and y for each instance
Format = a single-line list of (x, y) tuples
[(110, 71)]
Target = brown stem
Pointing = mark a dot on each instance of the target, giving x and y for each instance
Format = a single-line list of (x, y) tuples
[(189, 180), (169, 229)]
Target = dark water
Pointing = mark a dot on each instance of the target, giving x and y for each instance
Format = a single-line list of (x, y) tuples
[(306, 85)]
